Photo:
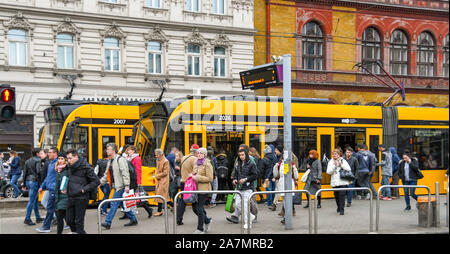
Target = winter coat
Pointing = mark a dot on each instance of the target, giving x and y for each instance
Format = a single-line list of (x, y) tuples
[(162, 178), (223, 169), (335, 172), (137, 163), (121, 173), (15, 166), (314, 174), (413, 170), (81, 177), (50, 180), (204, 175), (43, 170), (187, 166), (278, 172), (386, 163), (267, 166), (61, 198), (31, 169), (246, 169), (395, 160), (364, 161), (101, 163), (353, 163)]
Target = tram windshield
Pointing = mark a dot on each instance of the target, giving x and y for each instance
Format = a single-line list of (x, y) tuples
[(54, 122)]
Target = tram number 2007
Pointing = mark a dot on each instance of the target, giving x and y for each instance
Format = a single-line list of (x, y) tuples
[(120, 121)]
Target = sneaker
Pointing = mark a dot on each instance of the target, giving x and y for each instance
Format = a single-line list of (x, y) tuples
[(131, 223), (388, 198), (43, 230), (341, 212), (180, 223), (29, 222), (367, 196), (106, 226), (103, 213), (246, 226), (349, 204), (233, 219), (408, 208), (198, 232), (66, 227), (20, 195), (212, 205), (358, 197), (273, 207), (208, 226)]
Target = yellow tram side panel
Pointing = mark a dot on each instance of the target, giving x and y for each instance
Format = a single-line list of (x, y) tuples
[(427, 114)]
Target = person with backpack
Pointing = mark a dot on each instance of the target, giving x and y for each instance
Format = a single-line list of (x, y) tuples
[(31, 177), (364, 168), (118, 177), (135, 159), (223, 173), (82, 183), (187, 167), (162, 179)]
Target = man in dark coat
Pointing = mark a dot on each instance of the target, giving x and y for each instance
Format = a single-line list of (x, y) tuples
[(82, 180), (408, 172)]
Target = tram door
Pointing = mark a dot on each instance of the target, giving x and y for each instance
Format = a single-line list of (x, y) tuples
[(194, 135), (255, 137), (325, 146), (374, 137)]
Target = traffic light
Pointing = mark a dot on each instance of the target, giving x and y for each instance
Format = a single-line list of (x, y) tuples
[(7, 103)]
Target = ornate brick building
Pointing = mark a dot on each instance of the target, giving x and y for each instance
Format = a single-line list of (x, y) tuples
[(410, 38)]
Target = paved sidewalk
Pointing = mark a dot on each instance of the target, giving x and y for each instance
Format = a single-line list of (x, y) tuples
[(393, 220)]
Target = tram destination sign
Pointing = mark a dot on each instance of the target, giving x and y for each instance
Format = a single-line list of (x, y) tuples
[(262, 76)]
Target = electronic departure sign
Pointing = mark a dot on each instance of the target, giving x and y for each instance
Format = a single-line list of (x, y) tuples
[(262, 77)]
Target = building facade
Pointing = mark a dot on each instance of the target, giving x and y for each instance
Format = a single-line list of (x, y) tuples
[(125, 49), (410, 38)]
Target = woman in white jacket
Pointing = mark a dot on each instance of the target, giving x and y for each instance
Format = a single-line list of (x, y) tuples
[(278, 173), (335, 165)]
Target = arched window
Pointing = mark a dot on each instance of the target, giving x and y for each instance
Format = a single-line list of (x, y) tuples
[(371, 49), (193, 51), (17, 40), (65, 51), (155, 57), (445, 64), (399, 53), (219, 61), (112, 54), (425, 54), (312, 43)]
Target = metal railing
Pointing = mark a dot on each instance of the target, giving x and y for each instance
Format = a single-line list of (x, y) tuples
[(438, 205), (175, 204), (377, 216), (344, 189), (131, 198), (308, 194), (446, 210)]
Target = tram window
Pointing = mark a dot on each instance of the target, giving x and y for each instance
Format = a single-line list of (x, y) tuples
[(429, 146), (106, 140), (174, 139), (274, 136), (349, 137), (195, 138), (79, 141), (305, 139)]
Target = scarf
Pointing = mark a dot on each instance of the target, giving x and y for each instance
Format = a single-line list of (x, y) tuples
[(200, 161), (60, 167)]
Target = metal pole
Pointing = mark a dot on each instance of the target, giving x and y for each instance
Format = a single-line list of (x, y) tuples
[(446, 209), (287, 140), (344, 189), (438, 212)]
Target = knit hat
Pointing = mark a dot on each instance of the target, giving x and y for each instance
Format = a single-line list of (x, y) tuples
[(62, 154), (195, 146), (203, 151), (267, 150), (279, 148)]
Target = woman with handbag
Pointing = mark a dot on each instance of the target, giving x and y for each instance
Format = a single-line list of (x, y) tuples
[(314, 177), (335, 166), (203, 175)]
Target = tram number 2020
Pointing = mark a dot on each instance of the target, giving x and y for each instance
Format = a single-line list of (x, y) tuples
[(120, 121)]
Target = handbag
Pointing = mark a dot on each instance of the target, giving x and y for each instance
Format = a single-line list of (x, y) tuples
[(305, 176), (346, 175), (44, 200), (190, 185), (128, 204), (419, 174), (229, 206)]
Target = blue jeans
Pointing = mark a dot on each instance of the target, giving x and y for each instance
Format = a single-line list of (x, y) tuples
[(115, 206), (386, 192), (14, 180), (106, 191), (50, 210), (350, 193), (270, 196), (33, 201), (410, 190)]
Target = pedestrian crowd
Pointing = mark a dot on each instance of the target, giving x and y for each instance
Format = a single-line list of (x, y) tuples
[(67, 181)]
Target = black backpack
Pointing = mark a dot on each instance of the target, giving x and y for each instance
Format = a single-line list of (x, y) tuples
[(133, 175)]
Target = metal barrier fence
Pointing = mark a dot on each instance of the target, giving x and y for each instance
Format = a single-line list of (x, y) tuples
[(132, 198), (406, 187), (438, 205), (344, 189), (175, 204), (308, 194)]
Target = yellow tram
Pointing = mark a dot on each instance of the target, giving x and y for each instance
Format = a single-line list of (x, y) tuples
[(226, 122)]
